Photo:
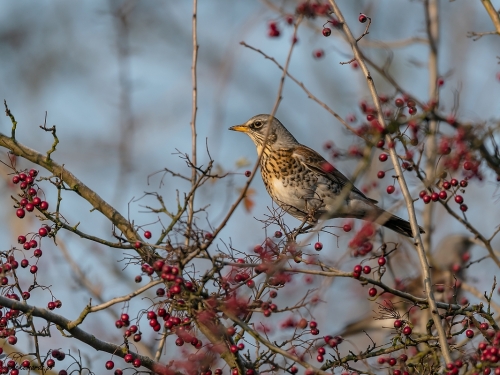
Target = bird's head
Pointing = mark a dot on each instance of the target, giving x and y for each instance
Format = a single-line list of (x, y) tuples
[(261, 126)]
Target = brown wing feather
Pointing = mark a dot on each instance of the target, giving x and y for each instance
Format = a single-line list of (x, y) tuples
[(316, 163)]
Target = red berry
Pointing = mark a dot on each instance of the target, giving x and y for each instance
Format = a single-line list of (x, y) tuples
[(362, 18), (110, 365), (467, 165), (454, 182), (33, 269), (137, 244), (137, 362), (25, 263), (147, 234), (440, 81), (318, 246), (407, 330), (399, 102), (278, 234), (443, 195), (43, 232), (37, 253), (327, 31), (484, 326), (358, 268), (459, 199), (463, 207), (248, 173), (21, 239), (381, 174), (469, 333), (20, 213), (446, 185), (44, 205), (15, 179), (367, 270), (391, 189), (381, 261), (318, 54), (372, 292), (398, 323), (51, 305), (464, 183), (434, 197), (319, 358), (383, 157), (12, 340), (380, 143)]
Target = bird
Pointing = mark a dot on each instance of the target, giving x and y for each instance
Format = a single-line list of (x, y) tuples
[(304, 184)]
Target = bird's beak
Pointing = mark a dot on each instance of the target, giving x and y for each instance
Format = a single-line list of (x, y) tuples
[(239, 128)]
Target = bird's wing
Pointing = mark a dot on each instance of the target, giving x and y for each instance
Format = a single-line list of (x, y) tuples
[(316, 163)]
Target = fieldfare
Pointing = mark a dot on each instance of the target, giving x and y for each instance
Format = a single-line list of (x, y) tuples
[(304, 184)]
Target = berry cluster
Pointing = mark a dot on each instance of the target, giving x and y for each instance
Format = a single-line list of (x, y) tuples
[(29, 199)]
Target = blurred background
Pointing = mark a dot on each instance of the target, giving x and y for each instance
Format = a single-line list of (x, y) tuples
[(115, 78)]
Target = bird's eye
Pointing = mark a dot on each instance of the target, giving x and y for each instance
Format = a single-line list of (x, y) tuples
[(257, 124)]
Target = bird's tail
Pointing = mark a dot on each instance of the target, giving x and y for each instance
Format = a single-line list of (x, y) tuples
[(397, 224)]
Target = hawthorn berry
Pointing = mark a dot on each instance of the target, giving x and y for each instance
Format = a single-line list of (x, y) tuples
[(399, 102), (383, 157), (407, 330), (469, 333), (110, 365), (318, 246), (317, 54), (372, 292), (346, 227), (327, 31), (362, 18), (381, 174), (248, 173), (391, 189), (147, 234), (20, 213), (381, 261)]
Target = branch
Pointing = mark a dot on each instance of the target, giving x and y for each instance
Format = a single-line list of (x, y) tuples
[(404, 188), (83, 336), (495, 18), (88, 309), (194, 109)]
